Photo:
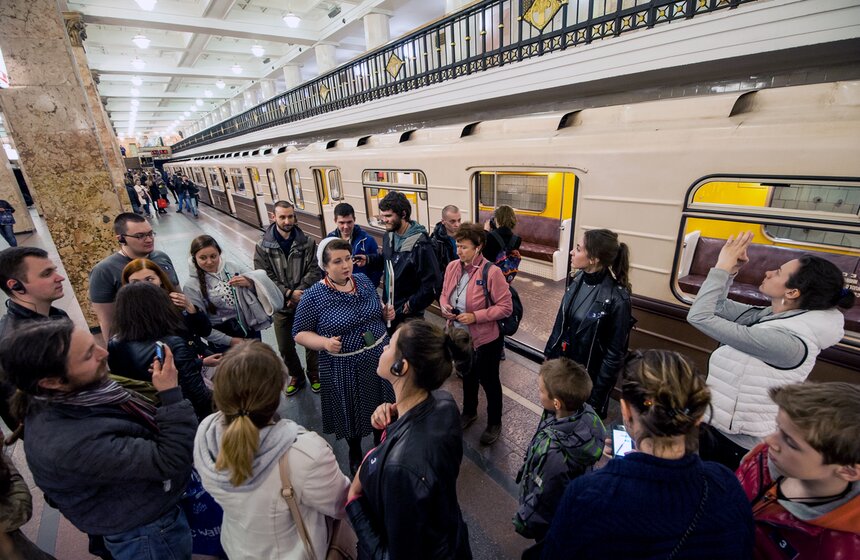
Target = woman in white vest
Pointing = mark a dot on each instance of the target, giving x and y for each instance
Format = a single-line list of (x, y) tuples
[(762, 347)]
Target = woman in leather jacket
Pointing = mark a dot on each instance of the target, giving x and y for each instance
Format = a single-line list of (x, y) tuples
[(145, 315), (403, 500), (594, 320)]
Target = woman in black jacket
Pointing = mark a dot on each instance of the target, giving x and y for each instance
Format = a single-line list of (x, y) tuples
[(403, 500), (593, 322), (144, 315)]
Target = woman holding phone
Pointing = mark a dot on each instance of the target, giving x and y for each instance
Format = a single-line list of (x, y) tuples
[(342, 317)]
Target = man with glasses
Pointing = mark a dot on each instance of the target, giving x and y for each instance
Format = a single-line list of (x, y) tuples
[(136, 241)]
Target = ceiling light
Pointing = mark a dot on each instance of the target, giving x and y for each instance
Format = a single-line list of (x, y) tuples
[(147, 5), (258, 51), (136, 80), (141, 41), (135, 102), (208, 93), (138, 64), (292, 20), (135, 92), (236, 69), (220, 84), (185, 114), (199, 102)]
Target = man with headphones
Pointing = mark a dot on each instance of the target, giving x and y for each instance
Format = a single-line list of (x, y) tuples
[(136, 241)]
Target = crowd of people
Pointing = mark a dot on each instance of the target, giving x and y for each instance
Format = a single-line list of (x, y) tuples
[(177, 413)]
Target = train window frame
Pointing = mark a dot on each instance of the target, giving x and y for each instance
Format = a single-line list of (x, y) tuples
[(335, 183), (495, 173), (368, 179), (273, 185), (214, 179), (235, 173), (372, 194), (294, 184)]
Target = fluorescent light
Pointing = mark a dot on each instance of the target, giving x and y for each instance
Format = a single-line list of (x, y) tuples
[(136, 80), (147, 5), (236, 69), (258, 51), (198, 102), (220, 84), (138, 64), (135, 92), (141, 41), (292, 20), (208, 93)]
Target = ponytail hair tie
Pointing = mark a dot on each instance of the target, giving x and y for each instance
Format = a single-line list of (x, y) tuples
[(242, 412), (647, 403)]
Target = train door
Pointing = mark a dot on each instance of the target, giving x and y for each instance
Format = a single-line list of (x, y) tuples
[(543, 202), (329, 193), (204, 194), (259, 194), (228, 191), (272, 195), (310, 222)]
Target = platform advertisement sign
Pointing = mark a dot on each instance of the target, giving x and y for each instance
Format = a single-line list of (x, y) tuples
[(4, 77)]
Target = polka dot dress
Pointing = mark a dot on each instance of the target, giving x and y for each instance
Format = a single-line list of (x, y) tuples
[(351, 390)]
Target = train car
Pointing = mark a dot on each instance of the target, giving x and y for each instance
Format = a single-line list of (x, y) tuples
[(673, 177)]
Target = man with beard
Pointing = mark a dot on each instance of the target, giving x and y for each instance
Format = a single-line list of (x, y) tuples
[(408, 249), (112, 463), (289, 258), (136, 241)]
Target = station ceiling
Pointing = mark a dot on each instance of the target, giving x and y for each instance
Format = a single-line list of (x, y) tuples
[(197, 47)]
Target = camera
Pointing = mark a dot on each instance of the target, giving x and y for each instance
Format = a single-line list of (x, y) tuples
[(455, 311)]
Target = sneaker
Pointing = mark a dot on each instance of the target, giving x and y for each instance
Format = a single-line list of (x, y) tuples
[(467, 420), (491, 434), (314, 379), (295, 385)]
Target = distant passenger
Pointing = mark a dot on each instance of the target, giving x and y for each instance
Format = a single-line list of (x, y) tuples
[(568, 442), (7, 223), (762, 347), (803, 480), (289, 258), (594, 320), (143, 198), (136, 241), (403, 501), (443, 236), (362, 243), (238, 452), (113, 464), (503, 244), (465, 304), (659, 500), (408, 252)]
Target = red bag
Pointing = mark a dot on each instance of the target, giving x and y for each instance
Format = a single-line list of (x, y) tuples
[(161, 203)]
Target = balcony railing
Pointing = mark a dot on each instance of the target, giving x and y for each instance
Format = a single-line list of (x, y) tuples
[(486, 35)]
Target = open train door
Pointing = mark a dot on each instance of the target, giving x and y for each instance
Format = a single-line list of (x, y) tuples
[(329, 193), (308, 213)]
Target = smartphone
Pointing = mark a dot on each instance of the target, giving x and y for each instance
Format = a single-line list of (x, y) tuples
[(622, 443), (455, 311), (492, 223), (159, 351), (369, 339)]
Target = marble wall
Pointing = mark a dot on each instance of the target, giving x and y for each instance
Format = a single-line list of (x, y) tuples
[(11, 193), (56, 136)]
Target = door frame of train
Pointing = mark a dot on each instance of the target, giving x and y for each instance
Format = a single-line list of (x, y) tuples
[(259, 195), (228, 190), (322, 186)]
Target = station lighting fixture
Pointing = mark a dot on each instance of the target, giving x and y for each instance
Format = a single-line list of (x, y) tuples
[(236, 69), (220, 84), (258, 51), (198, 102), (135, 92), (141, 41), (208, 93), (147, 5), (138, 64), (136, 80), (292, 20)]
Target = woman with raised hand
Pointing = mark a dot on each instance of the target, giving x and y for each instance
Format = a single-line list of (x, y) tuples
[(594, 320), (403, 501), (660, 500), (763, 347), (237, 453)]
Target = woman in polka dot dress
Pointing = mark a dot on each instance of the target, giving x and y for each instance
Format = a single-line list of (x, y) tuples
[(342, 317)]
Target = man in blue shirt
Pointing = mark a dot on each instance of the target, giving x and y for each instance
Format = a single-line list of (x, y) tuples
[(362, 243)]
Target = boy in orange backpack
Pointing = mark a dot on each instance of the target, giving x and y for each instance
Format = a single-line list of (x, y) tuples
[(802, 481)]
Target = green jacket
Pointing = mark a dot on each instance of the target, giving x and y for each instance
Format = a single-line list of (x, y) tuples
[(296, 271)]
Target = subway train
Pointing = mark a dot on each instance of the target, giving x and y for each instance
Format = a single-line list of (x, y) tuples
[(673, 177)]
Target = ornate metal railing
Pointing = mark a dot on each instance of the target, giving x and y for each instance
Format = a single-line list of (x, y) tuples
[(486, 35)]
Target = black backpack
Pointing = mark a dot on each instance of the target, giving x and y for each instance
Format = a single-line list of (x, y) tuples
[(509, 325)]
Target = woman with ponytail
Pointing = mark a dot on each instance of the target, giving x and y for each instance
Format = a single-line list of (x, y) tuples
[(594, 320), (659, 500), (403, 501), (237, 451)]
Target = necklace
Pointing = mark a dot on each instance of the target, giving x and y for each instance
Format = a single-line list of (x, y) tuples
[(334, 285), (812, 500)]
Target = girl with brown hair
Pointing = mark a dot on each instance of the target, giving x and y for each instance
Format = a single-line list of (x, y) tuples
[(237, 451)]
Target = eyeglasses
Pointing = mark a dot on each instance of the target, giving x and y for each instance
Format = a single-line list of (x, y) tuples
[(142, 236)]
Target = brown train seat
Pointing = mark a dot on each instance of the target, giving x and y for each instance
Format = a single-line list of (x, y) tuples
[(762, 258), (539, 235)]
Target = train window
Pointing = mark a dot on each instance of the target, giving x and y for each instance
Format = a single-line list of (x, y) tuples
[(273, 185), (238, 182), (256, 184), (198, 176), (294, 183), (334, 184), (407, 179), (520, 191), (829, 226), (417, 200), (214, 179)]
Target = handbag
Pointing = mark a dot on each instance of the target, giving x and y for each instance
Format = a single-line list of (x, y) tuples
[(161, 203), (343, 543)]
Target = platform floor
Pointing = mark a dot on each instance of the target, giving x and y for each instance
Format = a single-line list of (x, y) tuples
[(486, 488)]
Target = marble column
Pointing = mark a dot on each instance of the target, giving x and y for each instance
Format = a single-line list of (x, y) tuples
[(224, 111), (248, 98), (326, 59), (55, 133), (376, 30), (236, 105), (292, 76), (11, 192), (267, 89)]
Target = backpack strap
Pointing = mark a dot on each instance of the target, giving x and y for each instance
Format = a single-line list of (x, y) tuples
[(485, 273)]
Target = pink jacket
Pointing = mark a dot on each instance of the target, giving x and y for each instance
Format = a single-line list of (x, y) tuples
[(484, 329)]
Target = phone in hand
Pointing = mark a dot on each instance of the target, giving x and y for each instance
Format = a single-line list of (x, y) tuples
[(159, 351), (622, 443), (455, 311), (492, 223)]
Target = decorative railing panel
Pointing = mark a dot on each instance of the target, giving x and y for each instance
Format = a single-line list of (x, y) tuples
[(490, 34)]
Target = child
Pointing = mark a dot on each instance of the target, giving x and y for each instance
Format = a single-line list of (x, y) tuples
[(802, 481), (569, 440)]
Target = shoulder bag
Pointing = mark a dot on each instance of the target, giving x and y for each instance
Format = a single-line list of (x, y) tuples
[(343, 543)]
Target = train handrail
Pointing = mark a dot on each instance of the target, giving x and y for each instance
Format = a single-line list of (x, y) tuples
[(491, 34)]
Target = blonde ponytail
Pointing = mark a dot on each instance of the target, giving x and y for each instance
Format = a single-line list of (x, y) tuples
[(238, 446)]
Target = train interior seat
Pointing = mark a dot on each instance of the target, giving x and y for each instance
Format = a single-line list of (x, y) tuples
[(762, 258), (539, 235)]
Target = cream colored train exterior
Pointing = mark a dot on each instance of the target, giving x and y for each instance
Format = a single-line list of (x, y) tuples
[(635, 166)]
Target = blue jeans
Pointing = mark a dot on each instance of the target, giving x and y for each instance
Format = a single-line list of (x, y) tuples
[(166, 538), (191, 204), (8, 234), (183, 201)]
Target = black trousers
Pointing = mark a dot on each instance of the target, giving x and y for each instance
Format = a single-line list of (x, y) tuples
[(485, 372), (714, 446)]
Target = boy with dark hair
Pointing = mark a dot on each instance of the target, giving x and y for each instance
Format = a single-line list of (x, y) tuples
[(361, 242), (802, 481), (568, 441)]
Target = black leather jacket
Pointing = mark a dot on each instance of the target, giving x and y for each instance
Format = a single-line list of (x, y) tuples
[(133, 359), (409, 507), (599, 342)]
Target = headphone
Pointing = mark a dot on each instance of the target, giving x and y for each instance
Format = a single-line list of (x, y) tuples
[(122, 240), (397, 368), (17, 286)]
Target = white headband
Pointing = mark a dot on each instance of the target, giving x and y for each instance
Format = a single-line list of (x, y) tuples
[(321, 250)]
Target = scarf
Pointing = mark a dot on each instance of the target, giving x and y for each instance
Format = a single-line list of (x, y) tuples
[(109, 393)]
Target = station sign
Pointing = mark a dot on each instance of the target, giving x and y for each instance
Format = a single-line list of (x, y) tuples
[(4, 77)]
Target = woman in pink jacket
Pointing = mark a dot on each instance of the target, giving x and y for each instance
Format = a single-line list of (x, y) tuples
[(465, 305)]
